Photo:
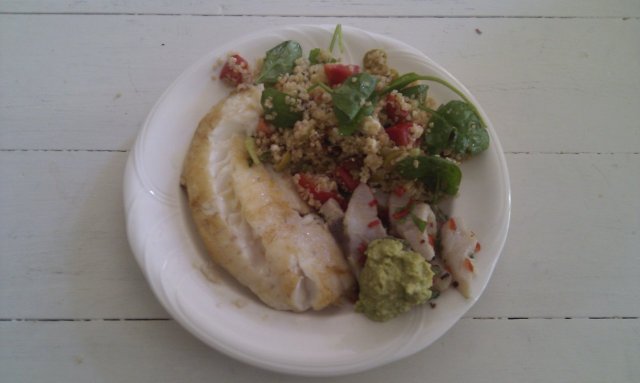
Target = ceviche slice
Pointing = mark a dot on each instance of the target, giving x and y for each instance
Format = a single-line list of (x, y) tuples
[(342, 163)]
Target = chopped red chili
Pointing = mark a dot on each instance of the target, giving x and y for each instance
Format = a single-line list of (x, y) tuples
[(374, 223), (478, 247), (401, 213), (399, 191), (432, 241), (373, 202), (452, 224)]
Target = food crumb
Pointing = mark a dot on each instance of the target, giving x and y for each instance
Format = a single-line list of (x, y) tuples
[(208, 272), (240, 303), (478, 31)]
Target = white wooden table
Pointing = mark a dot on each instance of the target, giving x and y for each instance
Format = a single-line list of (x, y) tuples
[(559, 79)]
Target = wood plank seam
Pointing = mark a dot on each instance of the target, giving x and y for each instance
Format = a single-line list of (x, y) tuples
[(336, 16)]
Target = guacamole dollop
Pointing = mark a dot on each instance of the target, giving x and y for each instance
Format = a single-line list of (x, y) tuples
[(394, 280)]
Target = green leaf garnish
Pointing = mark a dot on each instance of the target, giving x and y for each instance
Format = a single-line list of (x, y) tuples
[(277, 109), (455, 127), (279, 60), (421, 224), (437, 174), (417, 92)]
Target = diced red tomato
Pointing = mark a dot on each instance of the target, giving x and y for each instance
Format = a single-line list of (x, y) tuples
[(337, 73), (232, 74), (400, 134), (263, 127), (346, 179), (394, 111), (399, 191), (320, 195)]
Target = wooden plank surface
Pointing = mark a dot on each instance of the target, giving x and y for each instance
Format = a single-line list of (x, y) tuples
[(564, 8), (549, 85), (65, 253), (559, 79), (542, 350), (63, 242)]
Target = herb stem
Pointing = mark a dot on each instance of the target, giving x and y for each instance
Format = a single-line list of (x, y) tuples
[(321, 85), (337, 37), (456, 91)]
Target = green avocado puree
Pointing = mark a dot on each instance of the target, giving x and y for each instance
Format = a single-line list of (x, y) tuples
[(394, 279)]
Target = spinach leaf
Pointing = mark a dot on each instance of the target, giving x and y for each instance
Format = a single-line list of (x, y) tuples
[(410, 77), (418, 92), (457, 128), (353, 101), (438, 174), (319, 56), (277, 110), (403, 81), (314, 56), (278, 61), (346, 126), (351, 96)]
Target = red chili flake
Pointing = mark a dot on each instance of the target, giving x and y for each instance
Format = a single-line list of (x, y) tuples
[(399, 191), (468, 264), (374, 223), (432, 241), (401, 213), (362, 247), (373, 202), (478, 247), (452, 224)]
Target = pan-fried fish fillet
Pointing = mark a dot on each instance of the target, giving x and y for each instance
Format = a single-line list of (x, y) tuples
[(252, 221)]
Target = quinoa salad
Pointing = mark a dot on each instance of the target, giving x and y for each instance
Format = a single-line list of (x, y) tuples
[(374, 156)]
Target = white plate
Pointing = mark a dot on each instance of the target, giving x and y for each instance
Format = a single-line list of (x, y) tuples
[(225, 315)]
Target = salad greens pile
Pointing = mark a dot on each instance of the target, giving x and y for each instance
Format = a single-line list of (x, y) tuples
[(455, 129)]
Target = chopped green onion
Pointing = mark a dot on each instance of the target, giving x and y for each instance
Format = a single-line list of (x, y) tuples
[(421, 224), (250, 145)]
